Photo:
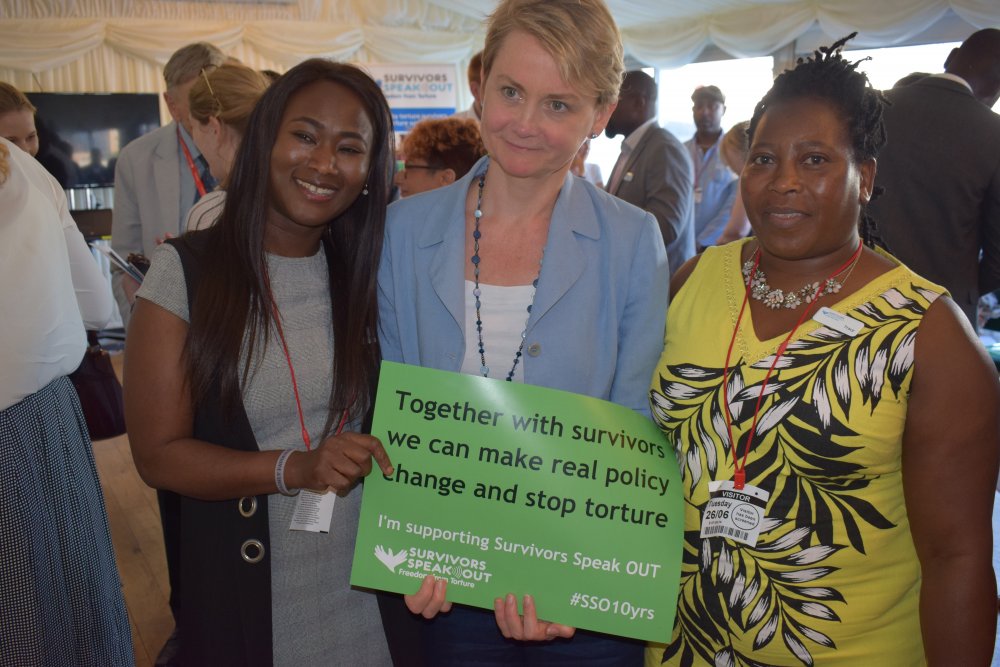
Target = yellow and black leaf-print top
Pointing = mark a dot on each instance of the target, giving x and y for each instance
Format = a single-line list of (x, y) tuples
[(834, 578)]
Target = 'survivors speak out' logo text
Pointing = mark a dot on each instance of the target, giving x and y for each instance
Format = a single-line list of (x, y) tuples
[(418, 563)]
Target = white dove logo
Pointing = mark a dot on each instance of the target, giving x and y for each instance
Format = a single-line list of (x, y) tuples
[(389, 559)]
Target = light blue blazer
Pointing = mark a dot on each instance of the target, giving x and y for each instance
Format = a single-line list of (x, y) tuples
[(597, 323)]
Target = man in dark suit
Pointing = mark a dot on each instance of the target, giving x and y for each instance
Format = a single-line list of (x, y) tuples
[(654, 170), (940, 213)]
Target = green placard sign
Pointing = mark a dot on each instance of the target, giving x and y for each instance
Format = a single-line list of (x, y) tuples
[(503, 488)]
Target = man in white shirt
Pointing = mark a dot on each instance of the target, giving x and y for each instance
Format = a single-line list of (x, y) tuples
[(653, 171)]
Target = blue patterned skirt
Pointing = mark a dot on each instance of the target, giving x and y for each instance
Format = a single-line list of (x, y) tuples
[(60, 594)]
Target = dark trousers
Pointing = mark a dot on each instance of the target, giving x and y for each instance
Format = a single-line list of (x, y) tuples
[(468, 636)]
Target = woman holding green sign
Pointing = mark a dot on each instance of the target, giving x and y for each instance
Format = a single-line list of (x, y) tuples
[(521, 272), (836, 418)]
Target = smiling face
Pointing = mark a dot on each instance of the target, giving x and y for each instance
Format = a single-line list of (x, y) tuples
[(802, 186), (320, 158), (533, 121), (18, 127)]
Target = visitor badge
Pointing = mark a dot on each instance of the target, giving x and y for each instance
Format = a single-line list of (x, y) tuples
[(838, 321), (313, 511), (737, 515)]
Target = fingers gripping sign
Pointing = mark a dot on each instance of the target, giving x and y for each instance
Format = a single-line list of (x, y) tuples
[(429, 600), (527, 627)]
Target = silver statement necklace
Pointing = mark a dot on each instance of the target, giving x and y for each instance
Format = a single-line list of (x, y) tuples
[(476, 292), (755, 278)]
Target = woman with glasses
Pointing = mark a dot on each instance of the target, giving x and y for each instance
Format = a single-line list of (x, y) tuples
[(438, 152)]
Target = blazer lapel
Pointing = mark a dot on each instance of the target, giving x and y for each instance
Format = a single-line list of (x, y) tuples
[(563, 262), (443, 238), (630, 163)]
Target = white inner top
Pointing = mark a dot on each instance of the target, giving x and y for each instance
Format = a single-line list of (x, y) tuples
[(504, 312)]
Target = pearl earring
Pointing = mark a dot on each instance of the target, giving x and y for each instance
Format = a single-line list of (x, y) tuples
[(364, 190)]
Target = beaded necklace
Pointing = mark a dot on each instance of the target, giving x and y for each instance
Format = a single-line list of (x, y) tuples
[(755, 279), (476, 235)]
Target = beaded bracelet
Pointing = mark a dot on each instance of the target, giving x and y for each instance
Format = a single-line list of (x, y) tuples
[(279, 474)]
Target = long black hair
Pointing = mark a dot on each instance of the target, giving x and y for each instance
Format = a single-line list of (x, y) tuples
[(829, 77), (232, 306)]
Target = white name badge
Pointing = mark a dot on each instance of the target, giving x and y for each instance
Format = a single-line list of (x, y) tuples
[(313, 511), (733, 514), (838, 321)]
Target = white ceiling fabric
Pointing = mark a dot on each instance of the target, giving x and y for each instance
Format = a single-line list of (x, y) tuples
[(116, 45)]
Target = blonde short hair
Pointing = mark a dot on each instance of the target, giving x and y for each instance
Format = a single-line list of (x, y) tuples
[(228, 93), (12, 99), (580, 35)]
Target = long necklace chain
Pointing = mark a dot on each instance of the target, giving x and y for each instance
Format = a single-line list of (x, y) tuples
[(476, 292), (755, 278)]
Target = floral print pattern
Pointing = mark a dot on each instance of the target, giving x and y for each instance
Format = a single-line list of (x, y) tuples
[(809, 454)]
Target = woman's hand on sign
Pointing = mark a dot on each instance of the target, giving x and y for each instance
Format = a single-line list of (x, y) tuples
[(527, 627), (337, 464), (429, 600)]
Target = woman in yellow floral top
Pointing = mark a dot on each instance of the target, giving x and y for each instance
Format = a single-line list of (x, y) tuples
[(835, 420)]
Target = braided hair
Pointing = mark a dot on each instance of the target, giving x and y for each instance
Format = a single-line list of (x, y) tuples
[(828, 76)]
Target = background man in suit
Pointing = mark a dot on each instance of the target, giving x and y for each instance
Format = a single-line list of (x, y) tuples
[(158, 178), (715, 183), (653, 171), (155, 182), (941, 173)]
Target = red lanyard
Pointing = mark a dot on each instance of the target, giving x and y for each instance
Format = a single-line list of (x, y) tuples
[(295, 385), (739, 467), (194, 170)]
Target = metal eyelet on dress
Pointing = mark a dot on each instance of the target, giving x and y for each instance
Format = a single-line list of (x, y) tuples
[(247, 506), (252, 544)]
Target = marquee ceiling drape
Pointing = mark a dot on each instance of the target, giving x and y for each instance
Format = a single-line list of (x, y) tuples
[(121, 45)]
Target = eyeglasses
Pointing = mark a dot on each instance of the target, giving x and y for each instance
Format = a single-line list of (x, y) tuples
[(403, 166)]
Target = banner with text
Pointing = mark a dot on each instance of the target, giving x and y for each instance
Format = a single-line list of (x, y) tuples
[(416, 91), (501, 487)]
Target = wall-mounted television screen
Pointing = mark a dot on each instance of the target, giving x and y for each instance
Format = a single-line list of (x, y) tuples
[(81, 134)]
